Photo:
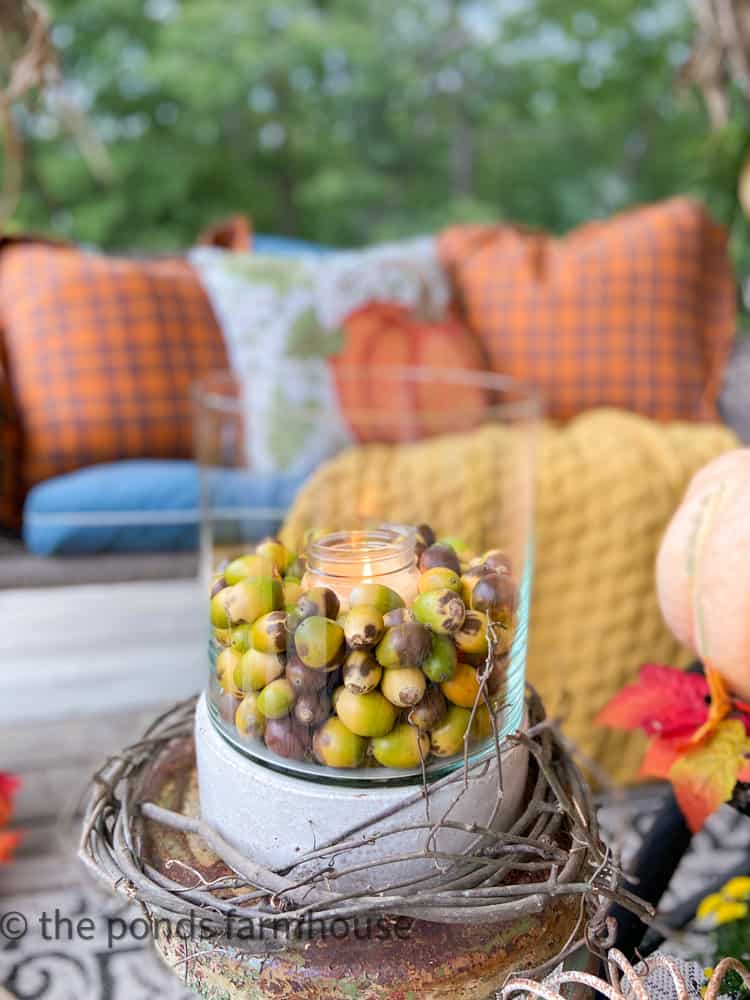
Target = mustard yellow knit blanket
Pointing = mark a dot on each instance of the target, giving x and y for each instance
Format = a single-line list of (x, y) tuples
[(608, 483)]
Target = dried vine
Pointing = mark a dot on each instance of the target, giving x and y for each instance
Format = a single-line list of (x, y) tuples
[(625, 982), (552, 850)]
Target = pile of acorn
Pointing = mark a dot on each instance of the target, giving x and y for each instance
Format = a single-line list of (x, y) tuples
[(376, 684)]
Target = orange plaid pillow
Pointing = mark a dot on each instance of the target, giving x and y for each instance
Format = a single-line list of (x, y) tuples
[(637, 312), (101, 355)]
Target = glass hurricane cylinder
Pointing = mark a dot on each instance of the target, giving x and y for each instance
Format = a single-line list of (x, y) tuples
[(368, 565)]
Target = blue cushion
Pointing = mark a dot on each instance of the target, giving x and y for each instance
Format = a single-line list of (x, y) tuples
[(149, 505), (285, 246)]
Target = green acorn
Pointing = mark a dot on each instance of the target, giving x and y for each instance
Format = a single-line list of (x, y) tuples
[(276, 699), (403, 747), (292, 592), (223, 636), (404, 646), (319, 643), (249, 567), (247, 600), (337, 746), (440, 663), (296, 569), (269, 632), (439, 578), (256, 669), (361, 672), (239, 638), (363, 627), (442, 610), (276, 551), (226, 664), (377, 596), (249, 720), (365, 714), (447, 738), (218, 611)]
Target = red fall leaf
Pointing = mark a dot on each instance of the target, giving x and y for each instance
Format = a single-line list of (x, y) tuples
[(659, 757), (665, 702)]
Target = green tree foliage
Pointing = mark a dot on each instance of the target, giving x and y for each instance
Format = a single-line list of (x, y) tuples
[(347, 121)]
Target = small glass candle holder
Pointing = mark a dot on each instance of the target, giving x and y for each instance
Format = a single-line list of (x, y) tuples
[(369, 570), (342, 560)]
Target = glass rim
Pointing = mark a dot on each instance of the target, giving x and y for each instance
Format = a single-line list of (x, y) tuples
[(211, 390)]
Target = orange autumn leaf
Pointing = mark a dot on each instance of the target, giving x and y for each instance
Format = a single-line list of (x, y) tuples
[(9, 841), (744, 774), (658, 759), (704, 777)]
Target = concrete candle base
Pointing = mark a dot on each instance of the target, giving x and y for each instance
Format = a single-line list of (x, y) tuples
[(273, 818)]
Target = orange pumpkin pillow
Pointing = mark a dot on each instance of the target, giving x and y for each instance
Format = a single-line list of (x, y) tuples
[(637, 312), (383, 407), (101, 355)]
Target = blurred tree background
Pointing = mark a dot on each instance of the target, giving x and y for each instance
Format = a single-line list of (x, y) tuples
[(348, 121)]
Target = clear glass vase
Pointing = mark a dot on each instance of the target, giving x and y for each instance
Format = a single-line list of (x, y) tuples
[(368, 564)]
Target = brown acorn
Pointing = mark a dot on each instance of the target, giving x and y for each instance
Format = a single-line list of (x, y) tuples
[(304, 679), (313, 708), (470, 579), (423, 539), (427, 713), (439, 555), (361, 672), (498, 561), (287, 738), (319, 601), (404, 646), (426, 535), (495, 594)]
